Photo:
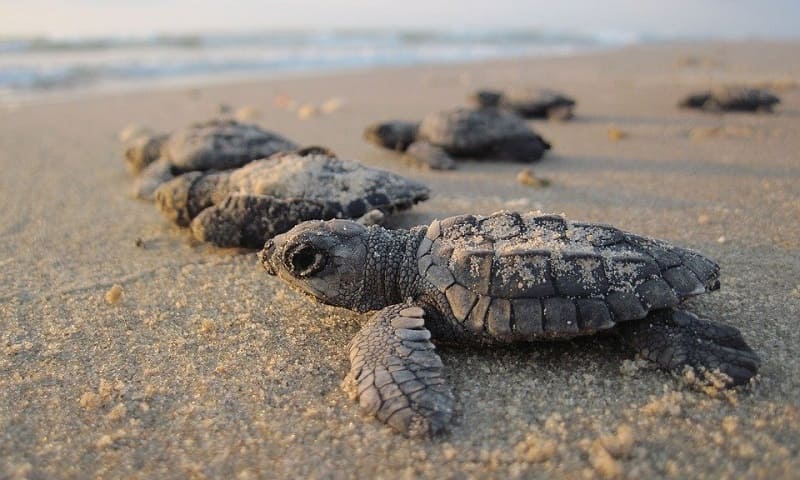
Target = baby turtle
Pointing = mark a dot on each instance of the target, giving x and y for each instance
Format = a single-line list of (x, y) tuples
[(493, 280), (730, 99), (479, 134), (527, 102), (212, 145), (244, 207)]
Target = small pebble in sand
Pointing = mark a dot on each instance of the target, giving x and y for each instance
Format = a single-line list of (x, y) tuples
[(117, 413), (139, 242), (248, 113), (722, 239), (621, 443), (615, 134), (207, 326), (307, 111), (730, 424), (114, 294), (724, 131), (703, 219), (603, 463), (104, 442), (284, 101), (527, 177), (331, 105), (668, 405), (90, 400), (535, 449)]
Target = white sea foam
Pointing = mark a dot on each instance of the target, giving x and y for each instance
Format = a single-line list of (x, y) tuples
[(31, 66)]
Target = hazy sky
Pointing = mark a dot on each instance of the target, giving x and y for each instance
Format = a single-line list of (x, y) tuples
[(718, 18)]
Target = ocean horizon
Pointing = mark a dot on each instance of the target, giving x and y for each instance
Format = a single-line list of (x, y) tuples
[(37, 67)]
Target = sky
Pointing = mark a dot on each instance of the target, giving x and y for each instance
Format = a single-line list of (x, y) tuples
[(692, 18)]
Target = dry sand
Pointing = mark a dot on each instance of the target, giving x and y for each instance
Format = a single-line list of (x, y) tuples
[(127, 350)]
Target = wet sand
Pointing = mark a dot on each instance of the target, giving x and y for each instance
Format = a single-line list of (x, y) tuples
[(201, 366)]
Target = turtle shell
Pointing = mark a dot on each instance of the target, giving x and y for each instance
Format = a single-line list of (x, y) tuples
[(350, 187), (465, 131), (741, 98), (521, 277), (220, 145)]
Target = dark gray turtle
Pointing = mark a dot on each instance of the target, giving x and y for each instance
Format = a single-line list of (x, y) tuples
[(527, 102), (493, 280), (732, 99), (478, 134), (211, 145), (244, 207)]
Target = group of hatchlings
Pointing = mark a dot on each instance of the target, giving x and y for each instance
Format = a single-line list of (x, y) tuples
[(483, 280)]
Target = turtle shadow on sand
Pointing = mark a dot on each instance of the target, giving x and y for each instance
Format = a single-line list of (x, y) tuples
[(629, 120), (584, 164)]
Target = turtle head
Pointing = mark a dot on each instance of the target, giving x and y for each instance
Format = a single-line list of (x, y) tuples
[(486, 98), (326, 260), (141, 150), (394, 135)]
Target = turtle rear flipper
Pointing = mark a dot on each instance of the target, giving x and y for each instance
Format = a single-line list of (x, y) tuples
[(397, 374), (674, 339), (250, 220)]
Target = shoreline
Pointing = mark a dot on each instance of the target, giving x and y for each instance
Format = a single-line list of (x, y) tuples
[(16, 99), (48, 96)]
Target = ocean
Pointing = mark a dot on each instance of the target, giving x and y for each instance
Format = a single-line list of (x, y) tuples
[(36, 68)]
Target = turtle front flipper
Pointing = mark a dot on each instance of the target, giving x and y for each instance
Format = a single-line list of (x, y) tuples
[(250, 220), (676, 338), (398, 375), (429, 155), (184, 197), (151, 178)]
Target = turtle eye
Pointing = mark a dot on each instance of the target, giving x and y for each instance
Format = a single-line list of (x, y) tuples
[(305, 260)]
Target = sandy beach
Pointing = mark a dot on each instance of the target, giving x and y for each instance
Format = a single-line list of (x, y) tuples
[(205, 367)]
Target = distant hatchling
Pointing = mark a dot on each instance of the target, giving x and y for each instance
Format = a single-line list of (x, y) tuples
[(244, 207), (527, 102), (482, 134), (218, 144), (495, 280), (731, 99)]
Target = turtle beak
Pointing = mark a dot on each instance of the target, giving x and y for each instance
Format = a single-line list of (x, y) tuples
[(265, 257)]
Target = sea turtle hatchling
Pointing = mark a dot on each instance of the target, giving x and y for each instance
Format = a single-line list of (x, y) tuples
[(726, 99), (489, 134), (527, 102), (212, 145), (504, 278), (244, 207)]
